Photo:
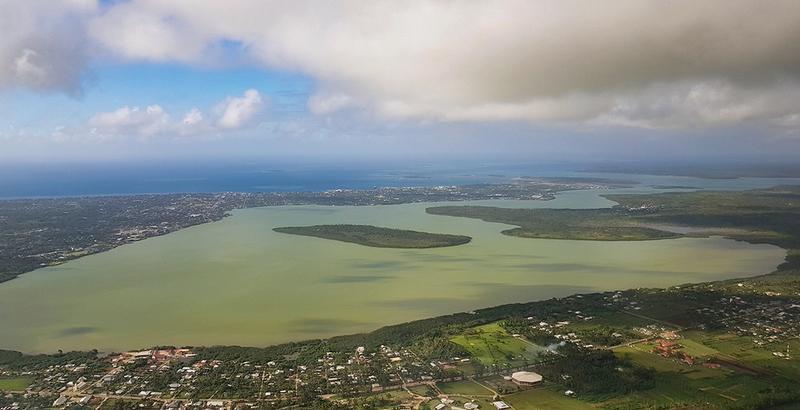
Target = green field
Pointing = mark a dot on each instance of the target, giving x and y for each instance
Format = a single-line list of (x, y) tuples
[(680, 384), (760, 358), (494, 346), (464, 388), (377, 237), (675, 390), (641, 355), (15, 384), (544, 398), (423, 390)]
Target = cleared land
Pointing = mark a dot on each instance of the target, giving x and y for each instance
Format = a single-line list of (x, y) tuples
[(492, 345), (15, 383), (464, 388), (549, 397), (378, 237)]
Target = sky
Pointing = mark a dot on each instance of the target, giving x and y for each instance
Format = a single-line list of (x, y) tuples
[(630, 79)]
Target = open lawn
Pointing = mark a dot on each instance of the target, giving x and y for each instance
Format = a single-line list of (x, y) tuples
[(545, 397), (15, 384), (696, 349), (423, 390), (493, 345), (465, 388)]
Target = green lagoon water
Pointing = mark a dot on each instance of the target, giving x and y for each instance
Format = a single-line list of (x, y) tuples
[(237, 282)]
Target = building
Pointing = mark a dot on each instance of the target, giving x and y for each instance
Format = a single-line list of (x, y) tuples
[(500, 405), (526, 378)]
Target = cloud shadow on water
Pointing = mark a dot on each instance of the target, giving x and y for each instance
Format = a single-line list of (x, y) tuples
[(76, 331), (324, 326), (356, 278)]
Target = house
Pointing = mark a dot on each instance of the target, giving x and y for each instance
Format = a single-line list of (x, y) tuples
[(500, 405)]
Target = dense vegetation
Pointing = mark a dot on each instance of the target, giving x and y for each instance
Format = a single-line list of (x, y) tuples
[(762, 216), (378, 237), (586, 224), (597, 373)]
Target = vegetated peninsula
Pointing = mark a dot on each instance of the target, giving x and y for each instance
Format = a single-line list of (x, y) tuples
[(377, 237), (575, 224), (759, 216)]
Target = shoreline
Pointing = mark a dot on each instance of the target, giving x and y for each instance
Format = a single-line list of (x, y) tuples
[(216, 206)]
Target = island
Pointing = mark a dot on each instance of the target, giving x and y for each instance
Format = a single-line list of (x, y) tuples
[(377, 237)]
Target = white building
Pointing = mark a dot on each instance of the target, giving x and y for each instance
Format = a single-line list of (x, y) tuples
[(526, 378), (500, 405)]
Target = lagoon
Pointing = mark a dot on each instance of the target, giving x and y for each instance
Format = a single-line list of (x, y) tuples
[(236, 281)]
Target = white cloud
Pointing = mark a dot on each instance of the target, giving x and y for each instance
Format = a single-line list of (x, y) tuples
[(663, 64), (234, 113), (133, 32), (239, 111), (491, 60), (323, 103), (43, 44), (132, 121), (193, 117)]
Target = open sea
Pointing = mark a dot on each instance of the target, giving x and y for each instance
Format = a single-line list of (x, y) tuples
[(123, 178)]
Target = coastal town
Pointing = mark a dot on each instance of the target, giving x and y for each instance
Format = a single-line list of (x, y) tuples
[(496, 358)]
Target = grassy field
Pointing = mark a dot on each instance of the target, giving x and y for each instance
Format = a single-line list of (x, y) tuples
[(423, 391), (641, 355), (464, 388), (493, 345), (678, 384), (545, 398), (15, 384), (678, 390), (760, 358), (374, 236)]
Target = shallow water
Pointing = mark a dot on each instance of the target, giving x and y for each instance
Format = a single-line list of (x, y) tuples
[(237, 282)]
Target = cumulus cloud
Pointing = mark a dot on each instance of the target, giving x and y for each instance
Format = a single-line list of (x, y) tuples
[(43, 44), (238, 111), (505, 59), (133, 32), (324, 103), (234, 113), (132, 120), (658, 64)]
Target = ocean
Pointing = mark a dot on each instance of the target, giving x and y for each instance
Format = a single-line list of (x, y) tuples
[(125, 178)]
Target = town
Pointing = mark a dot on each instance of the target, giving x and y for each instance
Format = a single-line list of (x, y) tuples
[(604, 349)]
